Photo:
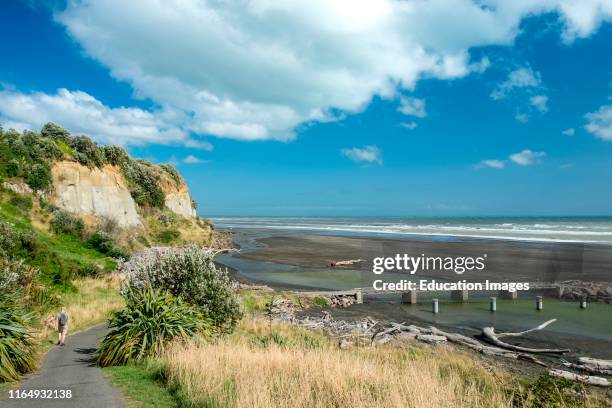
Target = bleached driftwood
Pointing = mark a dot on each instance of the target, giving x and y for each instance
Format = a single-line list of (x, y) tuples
[(485, 349), (224, 251), (584, 379), (489, 333), (348, 262), (597, 363), (590, 365)]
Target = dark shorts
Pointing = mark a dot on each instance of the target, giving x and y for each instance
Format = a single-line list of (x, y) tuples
[(62, 329)]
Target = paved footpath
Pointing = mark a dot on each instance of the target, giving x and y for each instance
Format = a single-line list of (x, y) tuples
[(71, 367)]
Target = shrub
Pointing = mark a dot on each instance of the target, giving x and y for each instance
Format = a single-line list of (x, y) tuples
[(15, 278), (143, 183), (168, 235), (38, 176), (12, 168), (546, 391), (64, 222), (87, 151), (191, 273), (55, 131), (171, 170), (150, 319), (21, 201), (115, 155), (103, 243), (16, 350), (88, 271)]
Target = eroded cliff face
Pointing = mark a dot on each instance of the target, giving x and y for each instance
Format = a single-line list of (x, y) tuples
[(104, 193), (93, 191), (177, 195)]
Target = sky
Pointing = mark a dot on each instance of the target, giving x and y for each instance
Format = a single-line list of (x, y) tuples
[(336, 107)]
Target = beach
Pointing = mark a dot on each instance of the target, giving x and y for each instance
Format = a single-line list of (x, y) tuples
[(296, 259)]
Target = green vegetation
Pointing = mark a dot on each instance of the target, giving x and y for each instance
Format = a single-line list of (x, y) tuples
[(141, 385), (168, 235), (65, 222), (30, 155), (16, 349), (191, 274), (150, 319)]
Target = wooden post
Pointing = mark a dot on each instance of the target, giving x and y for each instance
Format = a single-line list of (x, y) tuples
[(459, 295), (539, 303), (493, 304), (435, 309), (409, 297), (358, 296), (583, 302)]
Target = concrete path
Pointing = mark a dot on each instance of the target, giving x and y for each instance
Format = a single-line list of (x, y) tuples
[(71, 367)]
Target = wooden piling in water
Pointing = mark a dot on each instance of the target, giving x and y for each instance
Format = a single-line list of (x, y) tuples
[(409, 297), (493, 304), (539, 303), (583, 302), (459, 295), (435, 308)]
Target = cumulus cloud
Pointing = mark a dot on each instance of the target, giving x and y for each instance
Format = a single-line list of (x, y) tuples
[(412, 107), (365, 154), (600, 122), (408, 125), (191, 159), (527, 157), (519, 78), (540, 102), (569, 132), (494, 164), (82, 113), (255, 70)]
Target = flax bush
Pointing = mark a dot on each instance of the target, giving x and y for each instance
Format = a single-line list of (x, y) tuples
[(190, 273), (150, 319)]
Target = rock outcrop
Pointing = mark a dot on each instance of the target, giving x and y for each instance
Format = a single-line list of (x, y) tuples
[(93, 191)]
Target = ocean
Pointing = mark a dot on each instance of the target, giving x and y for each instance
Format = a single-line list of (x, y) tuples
[(556, 229)]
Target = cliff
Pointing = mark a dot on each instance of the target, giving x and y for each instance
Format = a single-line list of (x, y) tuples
[(103, 192), (100, 192)]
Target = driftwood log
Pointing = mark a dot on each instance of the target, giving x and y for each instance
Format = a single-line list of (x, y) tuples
[(590, 365), (584, 379), (489, 333)]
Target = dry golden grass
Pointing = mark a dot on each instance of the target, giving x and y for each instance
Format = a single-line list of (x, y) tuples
[(92, 304), (243, 371)]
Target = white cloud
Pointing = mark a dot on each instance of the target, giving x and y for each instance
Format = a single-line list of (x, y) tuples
[(569, 132), (494, 164), (191, 159), (82, 113), (412, 107), (522, 117), (256, 69), (367, 154), (409, 125), (519, 78), (600, 122), (540, 102), (527, 157)]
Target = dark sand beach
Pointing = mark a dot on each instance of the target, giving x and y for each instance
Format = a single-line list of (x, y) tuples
[(301, 261), (505, 260)]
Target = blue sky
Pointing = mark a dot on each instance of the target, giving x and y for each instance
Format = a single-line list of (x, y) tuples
[(386, 109)]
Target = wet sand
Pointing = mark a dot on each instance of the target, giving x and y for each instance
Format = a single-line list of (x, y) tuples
[(505, 260)]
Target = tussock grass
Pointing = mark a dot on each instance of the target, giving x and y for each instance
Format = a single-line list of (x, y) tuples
[(289, 371)]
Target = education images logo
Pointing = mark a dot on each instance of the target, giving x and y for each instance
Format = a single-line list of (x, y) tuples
[(459, 265)]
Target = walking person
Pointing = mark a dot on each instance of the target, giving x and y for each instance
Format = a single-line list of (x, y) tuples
[(62, 326)]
